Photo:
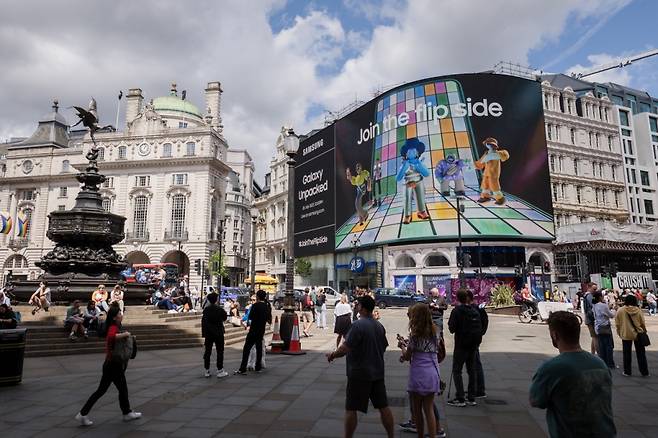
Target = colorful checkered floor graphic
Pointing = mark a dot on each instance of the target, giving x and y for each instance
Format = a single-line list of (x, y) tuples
[(514, 219)]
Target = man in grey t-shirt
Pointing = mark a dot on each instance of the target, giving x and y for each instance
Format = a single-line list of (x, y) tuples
[(364, 346)]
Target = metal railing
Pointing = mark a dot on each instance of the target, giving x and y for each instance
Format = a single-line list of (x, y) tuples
[(137, 236), (180, 235)]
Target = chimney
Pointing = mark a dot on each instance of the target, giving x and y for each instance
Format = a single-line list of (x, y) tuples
[(213, 103), (134, 100)]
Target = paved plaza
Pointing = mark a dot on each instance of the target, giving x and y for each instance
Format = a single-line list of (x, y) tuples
[(301, 396)]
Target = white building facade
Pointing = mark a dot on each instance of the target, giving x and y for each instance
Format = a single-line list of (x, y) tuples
[(166, 173)]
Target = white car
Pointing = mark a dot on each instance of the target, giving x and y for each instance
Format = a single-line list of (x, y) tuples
[(333, 297)]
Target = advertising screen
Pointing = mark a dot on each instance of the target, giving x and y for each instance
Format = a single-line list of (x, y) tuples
[(314, 195), (402, 159)]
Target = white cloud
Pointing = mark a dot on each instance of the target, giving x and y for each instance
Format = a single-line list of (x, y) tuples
[(73, 49)]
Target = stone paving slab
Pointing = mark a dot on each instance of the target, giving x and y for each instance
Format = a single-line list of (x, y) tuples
[(300, 396)]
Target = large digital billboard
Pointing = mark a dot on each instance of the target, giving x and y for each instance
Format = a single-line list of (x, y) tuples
[(402, 159)]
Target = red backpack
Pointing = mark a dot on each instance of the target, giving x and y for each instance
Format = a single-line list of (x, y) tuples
[(308, 303)]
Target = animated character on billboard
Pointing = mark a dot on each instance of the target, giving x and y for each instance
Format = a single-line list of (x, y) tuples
[(377, 176), (451, 169), (413, 171), (362, 183), (490, 165)]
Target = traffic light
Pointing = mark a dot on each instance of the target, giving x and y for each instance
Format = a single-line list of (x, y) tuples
[(467, 260), (197, 266), (614, 268), (547, 266)]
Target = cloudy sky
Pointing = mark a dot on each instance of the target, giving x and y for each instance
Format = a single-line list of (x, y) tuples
[(287, 62)]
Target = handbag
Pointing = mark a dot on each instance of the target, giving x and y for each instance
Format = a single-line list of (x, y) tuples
[(642, 337), (441, 353), (123, 349)]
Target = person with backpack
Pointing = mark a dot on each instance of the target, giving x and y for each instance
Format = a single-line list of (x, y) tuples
[(321, 310), (212, 330), (307, 312), (466, 324), (114, 371), (484, 319), (314, 295)]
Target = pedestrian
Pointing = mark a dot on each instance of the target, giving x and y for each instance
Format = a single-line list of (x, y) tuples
[(630, 323), (342, 318), (603, 313), (259, 316), (422, 349), (7, 317), (651, 302), (307, 313), (4, 299), (640, 298), (574, 387), (438, 305), (113, 371), (466, 324), (40, 299), (314, 294), (588, 310), (90, 316), (480, 391), (212, 330), (321, 309), (364, 346)]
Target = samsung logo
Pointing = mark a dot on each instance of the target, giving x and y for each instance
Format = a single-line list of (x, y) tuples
[(308, 149)]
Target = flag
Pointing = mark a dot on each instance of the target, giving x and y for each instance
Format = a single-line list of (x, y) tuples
[(5, 223), (23, 224), (120, 94)]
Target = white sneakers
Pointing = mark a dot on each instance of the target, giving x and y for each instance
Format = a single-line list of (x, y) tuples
[(83, 420), (206, 373), (132, 415), (221, 373)]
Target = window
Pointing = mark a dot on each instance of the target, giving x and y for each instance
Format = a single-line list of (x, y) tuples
[(569, 106), (107, 204), (166, 150), (575, 166), (597, 196), (545, 100), (554, 187), (557, 132), (572, 134), (549, 131), (66, 165), (610, 142), (27, 195), (235, 237), (182, 124), (591, 136), (190, 148), (143, 181), (632, 204), (639, 206), (63, 192), (579, 194), (101, 154), (634, 176), (623, 117), (653, 124), (178, 215), (644, 178), (626, 132), (560, 163), (109, 182), (598, 140), (604, 196), (630, 147), (601, 170), (140, 217), (179, 179), (645, 107), (617, 100), (563, 191), (235, 223), (551, 158), (594, 167), (648, 206), (123, 152), (616, 199), (61, 207)]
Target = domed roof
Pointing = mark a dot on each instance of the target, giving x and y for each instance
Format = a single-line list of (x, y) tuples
[(175, 103)]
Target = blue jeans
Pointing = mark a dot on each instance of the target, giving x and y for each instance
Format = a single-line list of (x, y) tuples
[(606, 346), (652, 308)]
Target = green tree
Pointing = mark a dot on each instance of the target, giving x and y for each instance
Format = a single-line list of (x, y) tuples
[(303, 267), (216, 265)]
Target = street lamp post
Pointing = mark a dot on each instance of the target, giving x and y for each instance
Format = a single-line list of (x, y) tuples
[(291, 144), (254, 216), (460, 255), (355, 249)]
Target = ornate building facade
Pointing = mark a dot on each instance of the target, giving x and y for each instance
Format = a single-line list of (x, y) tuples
[(166, 173)]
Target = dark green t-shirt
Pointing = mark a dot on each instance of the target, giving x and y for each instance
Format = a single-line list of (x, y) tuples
[(576, 391)]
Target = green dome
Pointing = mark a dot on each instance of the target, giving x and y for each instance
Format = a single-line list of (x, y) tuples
[(175, 103)]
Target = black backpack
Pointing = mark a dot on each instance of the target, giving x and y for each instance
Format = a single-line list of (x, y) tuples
[(472, 326)]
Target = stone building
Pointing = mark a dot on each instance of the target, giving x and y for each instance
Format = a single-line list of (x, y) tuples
[(166, 173)]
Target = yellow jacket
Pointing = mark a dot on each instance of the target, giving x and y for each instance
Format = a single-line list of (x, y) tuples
[(625, 329)]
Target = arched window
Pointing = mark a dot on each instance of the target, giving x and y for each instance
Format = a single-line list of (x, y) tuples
[(123, 152), (15, 261), (166, 150), (107, 204), (140, 217), (66, 165), (436, 259), (405, 261), (178, 215), (101, 154)]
